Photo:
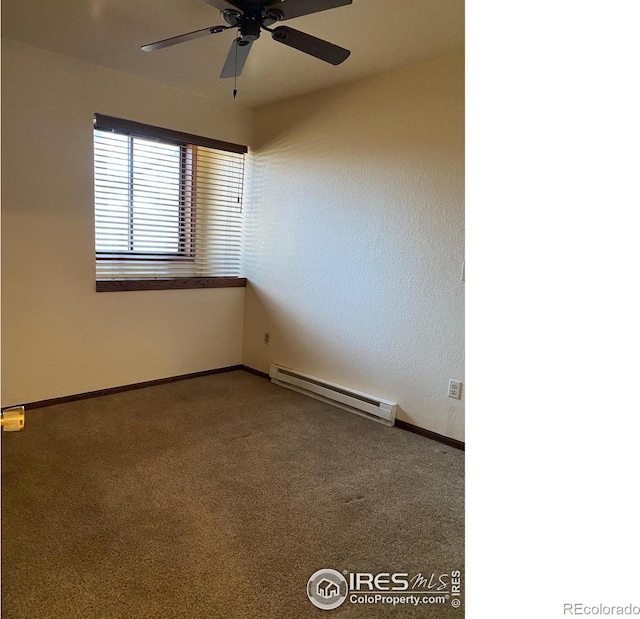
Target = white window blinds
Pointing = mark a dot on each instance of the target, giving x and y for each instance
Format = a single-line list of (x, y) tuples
[(167, 204)]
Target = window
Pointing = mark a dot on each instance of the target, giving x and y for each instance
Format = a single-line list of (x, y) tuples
[(168, 208)]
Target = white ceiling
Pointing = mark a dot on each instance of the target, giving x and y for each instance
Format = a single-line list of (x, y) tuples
[(381, 34)]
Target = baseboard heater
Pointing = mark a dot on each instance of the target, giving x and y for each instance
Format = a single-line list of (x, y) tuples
[(363, 404)]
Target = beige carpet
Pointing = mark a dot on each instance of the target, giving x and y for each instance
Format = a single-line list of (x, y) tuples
[(218, 497)]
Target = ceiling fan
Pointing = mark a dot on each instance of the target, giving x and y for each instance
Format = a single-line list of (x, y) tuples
[(252, 16)]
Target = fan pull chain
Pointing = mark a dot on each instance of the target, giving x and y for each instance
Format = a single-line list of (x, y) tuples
[(235, 77)]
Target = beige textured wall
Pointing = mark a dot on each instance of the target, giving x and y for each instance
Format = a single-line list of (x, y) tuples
[(59, 336), (354, 245)]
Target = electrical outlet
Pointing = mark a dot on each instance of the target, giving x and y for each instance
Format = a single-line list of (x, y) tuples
[(455, 389), (267, 338)]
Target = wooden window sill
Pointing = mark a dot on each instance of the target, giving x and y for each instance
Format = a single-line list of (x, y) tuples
[(125, 285)]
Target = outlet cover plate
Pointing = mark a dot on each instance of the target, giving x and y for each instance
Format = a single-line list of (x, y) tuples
[(455, 389)]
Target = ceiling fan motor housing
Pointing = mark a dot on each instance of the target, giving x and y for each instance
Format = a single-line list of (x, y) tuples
[(250, 28), (249, 23)]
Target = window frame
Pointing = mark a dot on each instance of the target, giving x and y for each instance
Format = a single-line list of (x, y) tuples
[(186, 141)]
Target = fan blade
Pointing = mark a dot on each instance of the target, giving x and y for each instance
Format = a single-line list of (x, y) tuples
[(236, 58), (222, 5), (189, 36), (310, 45), (296, 8)]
